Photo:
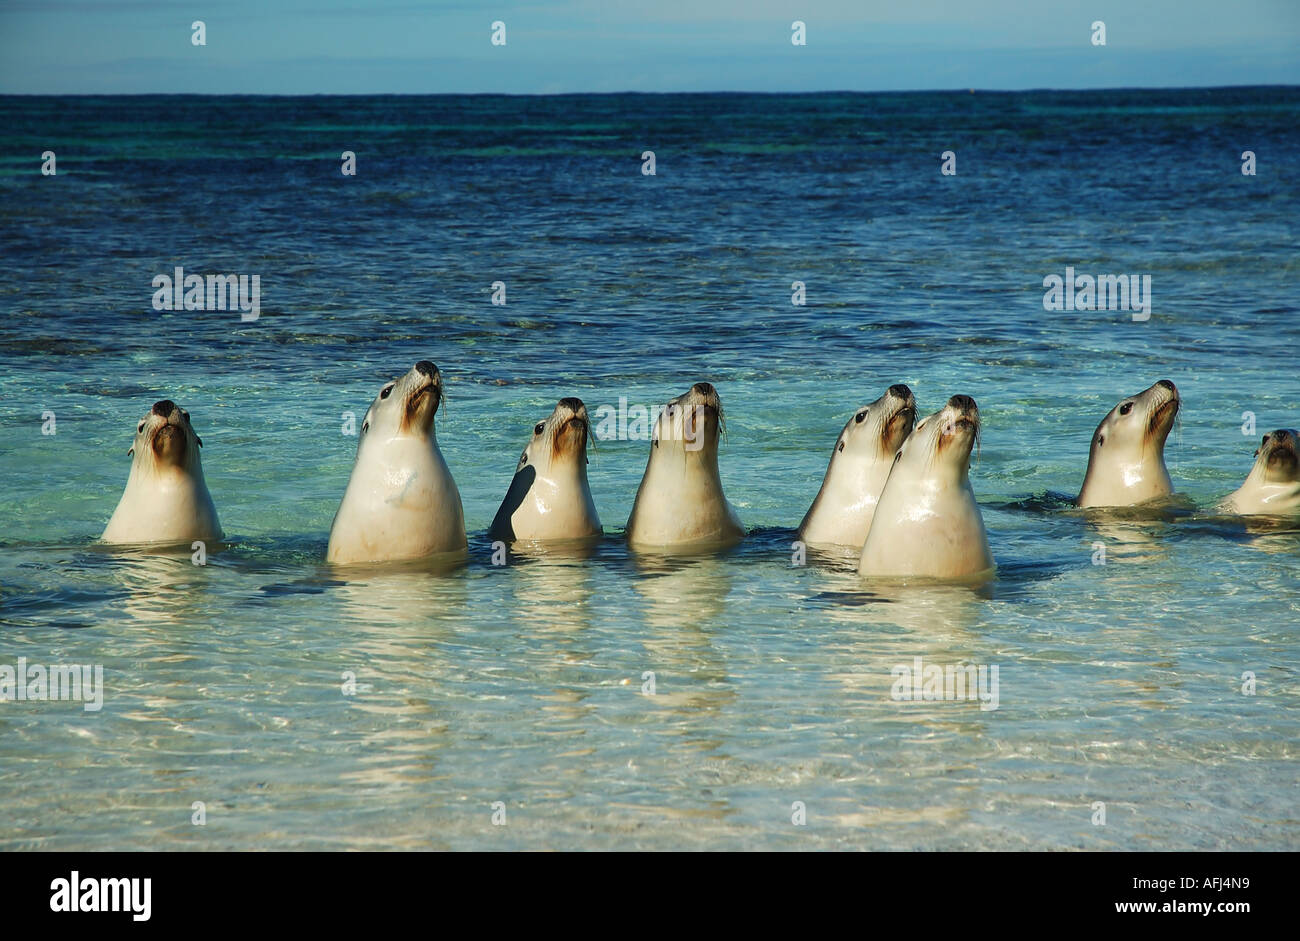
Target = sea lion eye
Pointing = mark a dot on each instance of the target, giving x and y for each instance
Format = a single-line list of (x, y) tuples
[(860, 416), (139, 428), (1265, 441), (537, 430), (1126, 408), (387, 390)]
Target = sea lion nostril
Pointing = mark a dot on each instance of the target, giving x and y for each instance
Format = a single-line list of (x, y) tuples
[(571, 403), (703, 388), (900, 391), (1166, 384), (164, 408), (426, 368)]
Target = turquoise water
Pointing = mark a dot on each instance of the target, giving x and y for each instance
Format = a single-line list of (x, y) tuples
[(1119, 683)]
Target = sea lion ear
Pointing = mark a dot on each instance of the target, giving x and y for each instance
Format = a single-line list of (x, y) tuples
[(199, 440), (131, 451)]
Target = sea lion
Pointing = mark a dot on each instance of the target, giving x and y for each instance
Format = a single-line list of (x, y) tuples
[(401, 501), (549, 498), (864, 453), (680, 500), (1127, 462), (927, 523), (166, 499), (1272, 488)]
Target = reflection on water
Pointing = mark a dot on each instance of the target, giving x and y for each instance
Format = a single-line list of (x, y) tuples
[(160, 587), (936, 610), (1274, 534), (404, 595), (391, 706), (1119, 540), (684, 600), (681, 592), (552, 592)]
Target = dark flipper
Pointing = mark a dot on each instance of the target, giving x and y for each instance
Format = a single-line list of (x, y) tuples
[(501, 527)]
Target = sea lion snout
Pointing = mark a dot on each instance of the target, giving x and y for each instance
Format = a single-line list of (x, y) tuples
[(702, 399), (571, 426), (964, 404), (422, 389), (422, 378), (164, 408), (1163, 415), (961, 419), (900, 391), (428, 371), (1280, 449)]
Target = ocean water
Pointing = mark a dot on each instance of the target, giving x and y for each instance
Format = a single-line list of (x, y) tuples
[(1119, 683)]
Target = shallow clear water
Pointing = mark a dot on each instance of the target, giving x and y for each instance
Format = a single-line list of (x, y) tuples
[(522, 684)]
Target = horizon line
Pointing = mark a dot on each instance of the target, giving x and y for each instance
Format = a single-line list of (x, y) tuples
[(611, 94)]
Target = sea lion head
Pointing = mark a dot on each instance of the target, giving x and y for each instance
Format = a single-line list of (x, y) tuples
[(1276, 457), (877, 431), (164, 438), (560, 439), (404, 408), (1126, 462), (939, 447), (691, 422), (1138, 426)]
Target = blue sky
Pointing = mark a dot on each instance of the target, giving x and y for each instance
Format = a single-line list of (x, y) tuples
[(401, 46)]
